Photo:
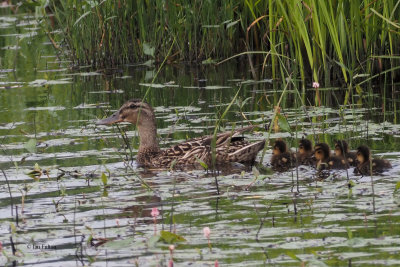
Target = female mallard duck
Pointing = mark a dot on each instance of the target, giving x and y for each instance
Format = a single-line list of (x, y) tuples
[(305, 155), (342, 150), (230, 146), (327, 161), (364, 159), (282, 159)]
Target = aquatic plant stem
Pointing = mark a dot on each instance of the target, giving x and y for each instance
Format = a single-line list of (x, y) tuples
[(273, 119), (9, 191), (372, 185), (126, 141)]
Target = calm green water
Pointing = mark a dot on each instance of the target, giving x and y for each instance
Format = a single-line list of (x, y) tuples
[(268, 219)]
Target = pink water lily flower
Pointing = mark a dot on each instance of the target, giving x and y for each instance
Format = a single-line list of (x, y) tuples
[(154, 212), (207, 232)]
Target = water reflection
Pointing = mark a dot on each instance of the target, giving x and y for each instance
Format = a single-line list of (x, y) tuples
[(270, 219)]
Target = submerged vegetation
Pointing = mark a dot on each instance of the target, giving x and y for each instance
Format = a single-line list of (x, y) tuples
[(333, 42)]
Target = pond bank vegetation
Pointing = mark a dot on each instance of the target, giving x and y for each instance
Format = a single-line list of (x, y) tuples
[(335, 42)]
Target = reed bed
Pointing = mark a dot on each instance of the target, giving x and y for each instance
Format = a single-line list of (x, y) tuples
[(333, 42)]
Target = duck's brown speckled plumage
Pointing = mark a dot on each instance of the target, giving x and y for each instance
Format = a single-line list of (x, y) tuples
[(364, 162), (342, 150), (230, 146)]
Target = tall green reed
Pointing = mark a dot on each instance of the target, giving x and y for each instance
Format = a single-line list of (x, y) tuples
[(332, 42)]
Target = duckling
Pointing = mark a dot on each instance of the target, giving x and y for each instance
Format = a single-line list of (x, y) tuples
[(342, 150), (282, 159), (364, 159), (230, 145), (327, 161), (305, 155)]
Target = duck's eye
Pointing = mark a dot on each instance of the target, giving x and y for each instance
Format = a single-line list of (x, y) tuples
[(132, 106), (301, 146)]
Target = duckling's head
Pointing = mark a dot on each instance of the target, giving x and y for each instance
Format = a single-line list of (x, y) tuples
[(305, 146), (134, 111), (363, 154), (279, 147), (341, 147), (322, 151)]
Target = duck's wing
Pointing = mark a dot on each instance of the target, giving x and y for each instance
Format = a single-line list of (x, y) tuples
[(221, 138), (239, 151), (230, 147), (243, 151), (225, 138)]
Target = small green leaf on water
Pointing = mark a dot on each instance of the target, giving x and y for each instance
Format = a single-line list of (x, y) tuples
[(148, 50), (148, 63), (202, 163), (292, 255), (13, 228), (153, 241), (171, 238), (37, 167), (349, 233), (31, 145), (104, 178), (283, 124), (397, 186)]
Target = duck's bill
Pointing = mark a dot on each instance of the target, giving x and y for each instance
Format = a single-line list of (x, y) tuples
[(114, 118)]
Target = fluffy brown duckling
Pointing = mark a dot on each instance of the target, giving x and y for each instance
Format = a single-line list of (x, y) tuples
[(327, 161), (282, 159), (364, 159), (305, 155), (342, 150)]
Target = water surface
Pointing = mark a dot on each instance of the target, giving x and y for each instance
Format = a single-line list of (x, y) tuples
[(68, 217)]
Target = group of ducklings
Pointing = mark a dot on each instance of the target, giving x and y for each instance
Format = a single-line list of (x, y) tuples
[(322, 158)]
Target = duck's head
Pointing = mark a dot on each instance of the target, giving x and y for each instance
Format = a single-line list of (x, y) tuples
[(341, 147), (279, 147), (322, 151), (134, 111), (363, 154), (305, 146)]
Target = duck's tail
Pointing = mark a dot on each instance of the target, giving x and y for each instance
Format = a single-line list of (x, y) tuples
[(247, 154)]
